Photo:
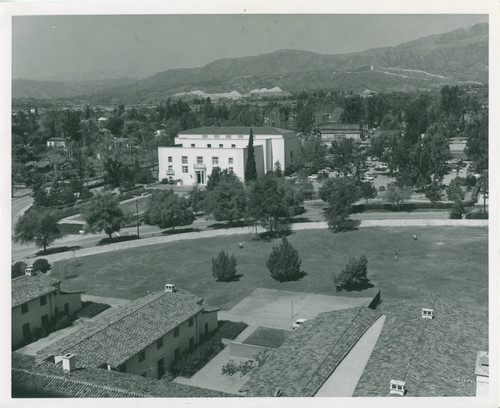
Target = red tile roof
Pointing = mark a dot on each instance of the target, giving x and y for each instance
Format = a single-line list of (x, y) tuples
[(25, 288)]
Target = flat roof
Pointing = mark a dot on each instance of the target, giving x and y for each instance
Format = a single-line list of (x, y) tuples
[(235, 130)]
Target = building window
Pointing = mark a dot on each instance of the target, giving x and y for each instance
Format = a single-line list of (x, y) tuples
[(176, 332), (184, 159), (231, 160), (221, 145), (190, 322), (205, 136), (24, 308), (45, 321), (215, 161), (66, 309), (122, 368), (159, 343), (170, 159), (233, 146), (191, 342), (231, 169), (216, 136), (144, 374), (291, 154), (177, 353), (142, 355), (199, 159), (240, 136), (209, 146), (184, 169), (228, 136), (43, 300), (170, 168), (192, 145), (26, 329)]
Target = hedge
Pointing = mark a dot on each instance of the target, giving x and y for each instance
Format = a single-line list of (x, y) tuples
[(358, 208), (230, 330)]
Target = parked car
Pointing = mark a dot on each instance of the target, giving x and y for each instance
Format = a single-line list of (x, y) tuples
[(299, 323)]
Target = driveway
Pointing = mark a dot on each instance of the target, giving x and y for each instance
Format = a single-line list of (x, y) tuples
[(278, 309)]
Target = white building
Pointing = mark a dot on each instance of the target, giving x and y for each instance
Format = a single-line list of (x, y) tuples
[(198, 151)]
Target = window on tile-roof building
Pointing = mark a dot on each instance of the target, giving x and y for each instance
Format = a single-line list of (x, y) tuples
[(176, 332), (159, 343), (24, 308), (142, 355)]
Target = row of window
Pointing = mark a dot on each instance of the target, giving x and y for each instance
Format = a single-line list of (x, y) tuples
[(199, 160), (45, 320), (43, 302), (209, 146), (227, 136)]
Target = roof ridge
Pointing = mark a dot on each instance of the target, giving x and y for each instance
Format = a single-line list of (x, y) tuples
[(78, 381)]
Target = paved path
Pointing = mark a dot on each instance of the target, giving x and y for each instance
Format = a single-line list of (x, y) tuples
[(345, 378), (250, 230)]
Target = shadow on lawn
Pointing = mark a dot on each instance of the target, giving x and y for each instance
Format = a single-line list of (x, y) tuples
[(106, 241), (349, 225), (180, 231), (57, 250), (359, 286), (234, 224)]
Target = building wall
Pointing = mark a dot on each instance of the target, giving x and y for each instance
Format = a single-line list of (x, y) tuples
[(33, 317), (292, 151), (149, 366), (36, 311)]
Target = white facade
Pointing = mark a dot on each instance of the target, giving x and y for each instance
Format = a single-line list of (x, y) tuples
[(198, 151)]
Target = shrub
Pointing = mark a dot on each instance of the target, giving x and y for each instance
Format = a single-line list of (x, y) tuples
[(477, 216), (143, 176), (381, 188), (353, 275), (224, 267), (192, 360), (164, 181), (230, 330), (457, 211), (41, 265), (62, 322), (17, 269), (284, 262)]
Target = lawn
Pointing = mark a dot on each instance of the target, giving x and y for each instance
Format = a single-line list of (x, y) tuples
[(268, 337), (451, 261)]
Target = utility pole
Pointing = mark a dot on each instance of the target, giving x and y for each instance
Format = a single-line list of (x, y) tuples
[(137, 216)]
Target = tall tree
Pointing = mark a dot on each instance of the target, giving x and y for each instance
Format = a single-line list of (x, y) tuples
[(227, 201), (284, 262), (272, 200), (250, 167), (397, 194), (454, 190), (102, 213), (37, 225), (340, 193), (476, 132), (368, 190), (167, 210), (224, 267)]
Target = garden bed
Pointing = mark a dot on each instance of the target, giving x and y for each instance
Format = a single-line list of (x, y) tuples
[(268, 337)]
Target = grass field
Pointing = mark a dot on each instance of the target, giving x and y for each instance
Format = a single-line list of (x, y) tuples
[(268, 337), (451, 261)]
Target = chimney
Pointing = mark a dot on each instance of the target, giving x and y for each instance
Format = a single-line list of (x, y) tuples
[(397, 388), (169, 288), (68, 362), (427, 313), (28, 271)]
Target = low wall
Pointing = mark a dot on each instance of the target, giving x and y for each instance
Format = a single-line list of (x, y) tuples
[(245, 350)]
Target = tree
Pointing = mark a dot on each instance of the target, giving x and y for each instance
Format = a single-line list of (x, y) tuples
[(115, 125), (368, 190), (102, 213), (396, 194), (277, 169), (457, 211), (273, 200), (454, 190), (167, 210), (196, 197), (37, 225), (284, 262), (227, 201), (353, 275), (314, 153), (224, 267), (340, 193), (41, 265), (476, 132), (433, 192), (214, 178), (250, 167), (17, 269), (434, 154)]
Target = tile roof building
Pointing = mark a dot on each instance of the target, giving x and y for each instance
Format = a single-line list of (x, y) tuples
[(37, 301), (49, 380), (143, 337), (199, 150)]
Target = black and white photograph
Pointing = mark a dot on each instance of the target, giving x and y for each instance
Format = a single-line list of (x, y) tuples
[(234, 201)]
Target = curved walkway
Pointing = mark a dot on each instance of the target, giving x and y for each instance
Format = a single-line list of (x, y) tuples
[(251, 230)]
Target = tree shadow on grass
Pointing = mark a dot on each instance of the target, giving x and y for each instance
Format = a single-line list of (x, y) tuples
[(106, 241), (234, 278), (234, 224), (299, 276), (57, 250), (349, 225), (180, 231), (298, 220), (358, 287), (268, 236)]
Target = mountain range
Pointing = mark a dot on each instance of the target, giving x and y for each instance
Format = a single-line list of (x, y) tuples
[(455, 57)]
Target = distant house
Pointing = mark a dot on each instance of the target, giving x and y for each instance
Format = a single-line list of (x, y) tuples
[(335, 131), (36, 301), (143, 337), (102, 121), (56, 143)]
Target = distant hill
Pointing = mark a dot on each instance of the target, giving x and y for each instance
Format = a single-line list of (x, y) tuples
[(458, 56)]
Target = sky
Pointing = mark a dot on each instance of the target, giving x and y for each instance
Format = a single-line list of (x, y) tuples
[(88, 47)]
